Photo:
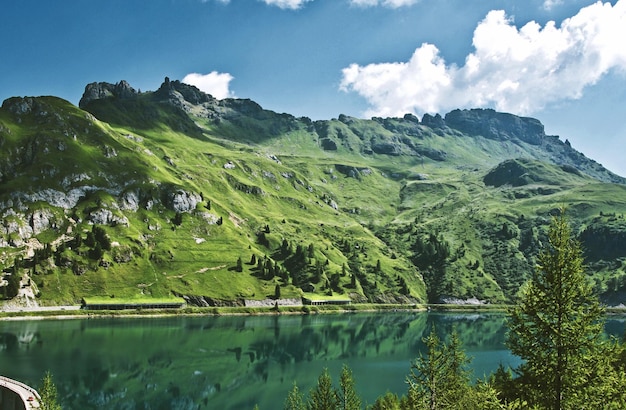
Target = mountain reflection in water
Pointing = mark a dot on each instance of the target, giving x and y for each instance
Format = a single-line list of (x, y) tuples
[(235, 362)]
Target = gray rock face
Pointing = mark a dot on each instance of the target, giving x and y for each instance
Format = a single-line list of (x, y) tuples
[(98, 91), (41, 220), (182, 201), (177, 92), (496, 125), (14, 224), (433, 122), (386, 148), (19, 106), (129, 201), (328, 144), (105, 216)]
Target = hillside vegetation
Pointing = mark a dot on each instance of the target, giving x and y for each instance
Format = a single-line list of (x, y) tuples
[(173, 192)]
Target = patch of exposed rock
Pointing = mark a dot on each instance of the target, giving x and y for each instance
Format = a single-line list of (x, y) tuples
[(273, 302), (205, 301), (182, 201), (496, 125), (102, 90), (103, 216)]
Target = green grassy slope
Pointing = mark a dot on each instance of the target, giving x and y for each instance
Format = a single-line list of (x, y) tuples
[(225, 201)]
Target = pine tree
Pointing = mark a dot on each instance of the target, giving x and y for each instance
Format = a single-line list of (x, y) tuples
[(556, 328), (440, 379), (48, 394), (347, 397), (294, 400), (324, 396)]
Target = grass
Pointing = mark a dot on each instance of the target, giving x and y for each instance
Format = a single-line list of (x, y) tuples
[(282, 179)]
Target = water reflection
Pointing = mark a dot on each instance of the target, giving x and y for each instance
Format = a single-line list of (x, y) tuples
[(232, 362)]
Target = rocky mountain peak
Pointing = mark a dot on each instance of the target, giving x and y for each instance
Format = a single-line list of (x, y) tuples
[(173, 91), (496, 125), (101, 90)]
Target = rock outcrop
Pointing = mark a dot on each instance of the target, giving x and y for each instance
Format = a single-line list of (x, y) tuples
[(496, 125), (98, 91)]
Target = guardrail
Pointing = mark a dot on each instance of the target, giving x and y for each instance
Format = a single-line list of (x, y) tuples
[(27, 394)]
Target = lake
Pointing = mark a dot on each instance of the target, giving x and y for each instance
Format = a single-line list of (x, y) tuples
[(235, 362)]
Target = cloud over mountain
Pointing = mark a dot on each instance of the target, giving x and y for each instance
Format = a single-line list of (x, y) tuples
[(512, 69), (214, 83)]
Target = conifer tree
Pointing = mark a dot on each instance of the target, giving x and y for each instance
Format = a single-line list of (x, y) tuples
[(348, 398), (440, 379), (294, 400), (556, 328), (48, 394), (323, 396)]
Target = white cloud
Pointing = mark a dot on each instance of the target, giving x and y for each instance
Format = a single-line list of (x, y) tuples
[(286, 4), (213, 83), (387, 3), (550, 4), (515, 70)]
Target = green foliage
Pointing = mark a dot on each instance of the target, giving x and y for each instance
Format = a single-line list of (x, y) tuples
[(323, 396), (331, 184), (347, 395), (439, 379), (388, 401), (13, 286), (295, 399), (557, 326), (48, 393)]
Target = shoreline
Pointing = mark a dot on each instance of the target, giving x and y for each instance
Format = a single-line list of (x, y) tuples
[(75, 312), (64, 313)]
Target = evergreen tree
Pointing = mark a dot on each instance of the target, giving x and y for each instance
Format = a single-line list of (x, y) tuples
[(440, 380), (77, 242), (13, 286), (90, 240), (294, 400), (239, 266), (277, 291), (323, 396), (347, 397), (178, 219), (100, 236), (556, 328), (389, 401), (97, 252), (284, 247), (48, 394)]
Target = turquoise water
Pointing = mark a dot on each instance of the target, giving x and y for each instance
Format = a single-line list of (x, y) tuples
[(234, 362)]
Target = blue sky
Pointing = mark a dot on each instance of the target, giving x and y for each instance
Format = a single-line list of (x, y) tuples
[(561, 61)]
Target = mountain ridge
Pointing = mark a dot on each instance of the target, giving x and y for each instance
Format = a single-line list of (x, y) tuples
[(222, 200)]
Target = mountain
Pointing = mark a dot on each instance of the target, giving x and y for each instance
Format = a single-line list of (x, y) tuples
[(175, 192)]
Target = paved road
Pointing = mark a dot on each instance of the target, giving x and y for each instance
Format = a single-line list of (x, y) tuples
[(42, 308), (59, 309), (27, 394)]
